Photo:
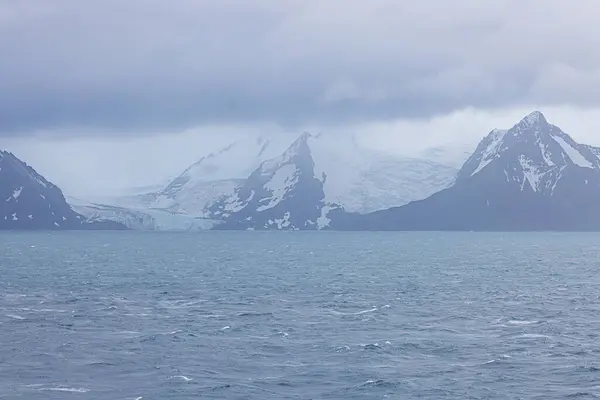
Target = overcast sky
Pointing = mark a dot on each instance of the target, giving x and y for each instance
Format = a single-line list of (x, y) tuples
[(103, 94)]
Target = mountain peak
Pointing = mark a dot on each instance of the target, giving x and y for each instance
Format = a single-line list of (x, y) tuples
[(301, 142), (533, 118), (532, 151)]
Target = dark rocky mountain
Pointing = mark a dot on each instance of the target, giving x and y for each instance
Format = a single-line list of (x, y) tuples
[(283, 194), (29, 201), (528, 178)]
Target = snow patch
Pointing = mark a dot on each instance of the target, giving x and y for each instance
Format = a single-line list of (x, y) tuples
[(284, 179), (531, 173), (17, 193), (573, 153), (491, 152), (558, 177), (546, 154), (235, 204), (281, 223), (193, 199), (41, 180), (323, 221)]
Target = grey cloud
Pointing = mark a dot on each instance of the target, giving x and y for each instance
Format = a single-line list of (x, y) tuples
[(151, 65)]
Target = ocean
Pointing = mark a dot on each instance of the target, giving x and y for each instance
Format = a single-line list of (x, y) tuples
[(299, 315)]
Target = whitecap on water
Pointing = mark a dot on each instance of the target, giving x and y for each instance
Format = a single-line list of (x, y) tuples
[(334, 312), (44, 310), (64, 389), (534, 336), (522, 322), (181, 378)]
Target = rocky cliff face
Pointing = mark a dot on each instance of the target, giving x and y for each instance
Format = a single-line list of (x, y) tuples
[(283, 193)]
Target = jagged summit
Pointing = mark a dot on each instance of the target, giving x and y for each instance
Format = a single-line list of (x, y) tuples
[(532, 125), (533, 131), (530, 177), (533, 118), (535, 146), (282, 193)]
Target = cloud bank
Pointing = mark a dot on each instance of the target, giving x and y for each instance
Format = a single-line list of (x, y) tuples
[(146, 66)]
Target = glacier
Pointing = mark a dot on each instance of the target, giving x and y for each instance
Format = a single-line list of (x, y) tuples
[(140, 219)]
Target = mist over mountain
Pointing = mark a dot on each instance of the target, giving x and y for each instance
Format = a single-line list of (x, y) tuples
[(239, 180), (532, 176)]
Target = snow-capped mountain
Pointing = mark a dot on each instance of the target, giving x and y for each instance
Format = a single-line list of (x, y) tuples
[(530, 177), (212, 176), (29, 201), (320, 175), (353, 176), (283, 193), (533, 154)]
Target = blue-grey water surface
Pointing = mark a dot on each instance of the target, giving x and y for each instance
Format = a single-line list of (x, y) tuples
[(249, 315)]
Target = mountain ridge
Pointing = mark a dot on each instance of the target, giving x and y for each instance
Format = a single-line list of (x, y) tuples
[(532, 176), (28, 201)]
